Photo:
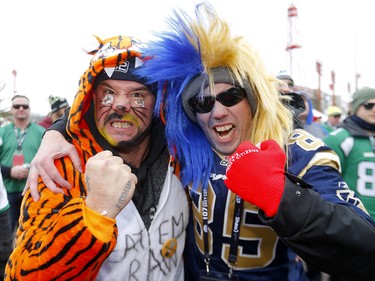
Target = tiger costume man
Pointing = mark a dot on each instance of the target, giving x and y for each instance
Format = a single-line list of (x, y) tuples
[(70, 236)]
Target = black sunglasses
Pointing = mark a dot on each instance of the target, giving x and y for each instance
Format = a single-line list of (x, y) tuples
[(368, 105), (18, 106), (227, 98)]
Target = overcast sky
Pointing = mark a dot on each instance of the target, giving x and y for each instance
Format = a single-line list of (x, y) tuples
[(42, 40)]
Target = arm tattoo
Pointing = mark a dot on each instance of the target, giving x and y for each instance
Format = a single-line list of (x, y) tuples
[(123, 195)]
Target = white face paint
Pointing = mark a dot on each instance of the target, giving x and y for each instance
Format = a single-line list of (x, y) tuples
[(140, 103), (123, 111), (108, 99)]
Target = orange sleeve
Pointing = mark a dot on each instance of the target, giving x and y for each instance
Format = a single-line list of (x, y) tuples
[(60, 239), (99, 225)]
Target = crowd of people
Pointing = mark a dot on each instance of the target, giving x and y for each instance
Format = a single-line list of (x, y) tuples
[(160, 169)]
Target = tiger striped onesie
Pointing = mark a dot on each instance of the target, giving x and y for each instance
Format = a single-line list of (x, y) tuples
[(59, 238)]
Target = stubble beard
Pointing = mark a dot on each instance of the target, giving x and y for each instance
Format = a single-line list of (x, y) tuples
[(129, 145)]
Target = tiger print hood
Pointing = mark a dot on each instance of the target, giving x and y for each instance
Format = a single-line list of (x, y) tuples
[(113, 58)]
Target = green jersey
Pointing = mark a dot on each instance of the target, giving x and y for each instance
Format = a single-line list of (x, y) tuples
[(8, 148), (357, 159)]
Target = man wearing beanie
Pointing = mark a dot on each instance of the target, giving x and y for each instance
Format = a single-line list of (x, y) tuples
[(58, 105), (233, 135), (354, 143), (122, 218)]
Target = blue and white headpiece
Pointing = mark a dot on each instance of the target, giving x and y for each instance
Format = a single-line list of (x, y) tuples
[(191, 55)]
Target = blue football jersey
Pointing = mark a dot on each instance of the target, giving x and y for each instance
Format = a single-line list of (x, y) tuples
[(261, 255)]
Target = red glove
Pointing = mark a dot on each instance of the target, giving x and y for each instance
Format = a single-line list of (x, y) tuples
[(257, 175)]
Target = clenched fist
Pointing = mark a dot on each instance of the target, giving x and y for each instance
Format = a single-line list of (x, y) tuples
[(110, 184), (257, 174)]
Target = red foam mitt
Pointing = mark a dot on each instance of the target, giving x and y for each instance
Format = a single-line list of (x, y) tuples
[(257, 174)]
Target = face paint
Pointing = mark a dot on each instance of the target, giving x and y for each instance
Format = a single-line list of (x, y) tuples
[(108, 99), (114, 140), (123, 111), (141, 103)]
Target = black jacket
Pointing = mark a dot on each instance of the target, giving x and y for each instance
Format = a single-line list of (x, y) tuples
[(324, 234)]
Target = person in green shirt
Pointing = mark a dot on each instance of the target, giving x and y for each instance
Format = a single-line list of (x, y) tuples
[(354, 143), (20, 141)]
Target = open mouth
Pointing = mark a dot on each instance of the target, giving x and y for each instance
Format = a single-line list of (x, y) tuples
[(121, 125), (224, 132)]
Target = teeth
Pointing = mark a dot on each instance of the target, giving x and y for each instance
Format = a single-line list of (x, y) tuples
[(226, 136), (121, 125), (225, 131), (223, 128)]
